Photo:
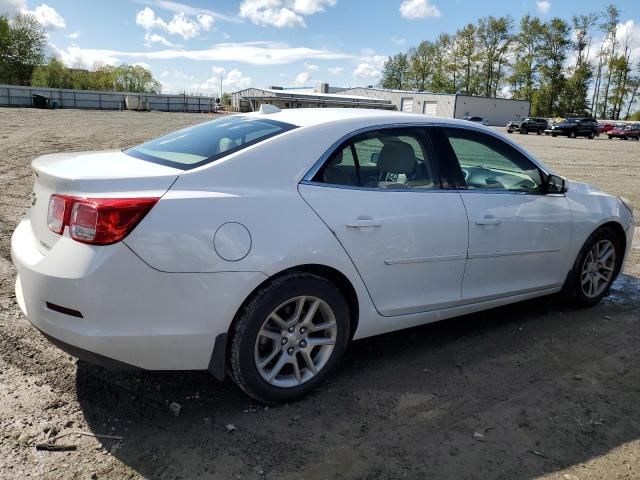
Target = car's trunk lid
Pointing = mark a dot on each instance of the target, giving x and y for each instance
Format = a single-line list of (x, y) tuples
[(111, 174)]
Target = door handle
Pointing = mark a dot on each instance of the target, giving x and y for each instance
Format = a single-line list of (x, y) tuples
[(364, 222), (487, 221)]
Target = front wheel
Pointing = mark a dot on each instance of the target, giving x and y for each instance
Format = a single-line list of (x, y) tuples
[(288, 337), (572, 134), (591, 136), (540, 131), (524, 131), (596, 267)]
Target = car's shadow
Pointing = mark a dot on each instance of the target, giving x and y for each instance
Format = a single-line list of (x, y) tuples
[(513, 392)]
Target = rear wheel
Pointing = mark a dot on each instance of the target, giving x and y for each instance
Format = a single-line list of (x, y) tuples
[(539, 132), (288, 337), (524, 130), (610, 137), (596, 267), (591, 136), (572, 134)]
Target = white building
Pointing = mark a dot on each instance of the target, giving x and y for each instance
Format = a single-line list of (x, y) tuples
[(498, 111)]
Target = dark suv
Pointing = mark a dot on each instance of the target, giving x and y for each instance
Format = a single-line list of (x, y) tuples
[(528, 124), (575, 127)]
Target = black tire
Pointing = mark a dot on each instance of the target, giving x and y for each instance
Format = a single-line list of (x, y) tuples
[(554, 135), (572, 288), (509, 131), (524, 131), (539, 132), (573, 134), (610, 137), (244, 332), (591, 136)]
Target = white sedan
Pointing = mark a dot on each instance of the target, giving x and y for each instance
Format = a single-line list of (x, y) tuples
[(260, 245)]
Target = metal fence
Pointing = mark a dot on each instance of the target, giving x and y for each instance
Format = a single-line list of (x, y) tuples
[(16, 96)]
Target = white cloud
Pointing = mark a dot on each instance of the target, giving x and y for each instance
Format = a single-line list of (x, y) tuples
[(303, 78), (254, 53), (177, 7), (413, 9), (70, 54), (12, 6), (226, 36), (543, 6), (180, 24), (143, 65), (234, 80), (311, 67), (282, 13), (366, 70), (398, 41), (155, 38), (73, 35), (47, 16), (205, 20), (335, 70)]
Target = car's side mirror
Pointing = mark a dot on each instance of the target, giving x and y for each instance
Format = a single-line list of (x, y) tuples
[(555, 184)]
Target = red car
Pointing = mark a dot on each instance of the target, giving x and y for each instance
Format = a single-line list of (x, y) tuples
[(605, 127), (624, 132)]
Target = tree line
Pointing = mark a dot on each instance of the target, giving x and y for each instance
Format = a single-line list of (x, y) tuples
[(554, 64), (23, 46)]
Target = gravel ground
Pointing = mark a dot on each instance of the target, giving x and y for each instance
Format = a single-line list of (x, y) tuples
[(534, 390)]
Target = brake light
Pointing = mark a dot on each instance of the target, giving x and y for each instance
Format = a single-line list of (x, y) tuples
[(98, 221)]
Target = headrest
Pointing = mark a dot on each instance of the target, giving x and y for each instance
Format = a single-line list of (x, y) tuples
[(397, 157)]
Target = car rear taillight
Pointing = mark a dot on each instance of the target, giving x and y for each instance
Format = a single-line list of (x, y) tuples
[(97, 221), (56, 215)]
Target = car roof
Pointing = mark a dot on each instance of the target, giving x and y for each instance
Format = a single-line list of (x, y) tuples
[(304, 117)]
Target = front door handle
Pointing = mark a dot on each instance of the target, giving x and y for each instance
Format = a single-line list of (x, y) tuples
[(487, 221), (364, 222)]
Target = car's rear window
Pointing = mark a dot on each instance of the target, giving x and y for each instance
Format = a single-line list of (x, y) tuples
[(209, 141)]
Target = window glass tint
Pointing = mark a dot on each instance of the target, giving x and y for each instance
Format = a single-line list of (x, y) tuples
[(390, 158), (206, 142), (488, 163)]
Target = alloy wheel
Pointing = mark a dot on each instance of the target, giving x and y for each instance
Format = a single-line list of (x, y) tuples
[(598, 268), (296, 341)]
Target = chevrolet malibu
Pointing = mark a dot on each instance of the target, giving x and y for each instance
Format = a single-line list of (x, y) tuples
[(260, 245)]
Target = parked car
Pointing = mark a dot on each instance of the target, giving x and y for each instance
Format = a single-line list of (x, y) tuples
[(605, 127), (625, 132), (575, 127), (480, 120), (261, 245), (526, 125)]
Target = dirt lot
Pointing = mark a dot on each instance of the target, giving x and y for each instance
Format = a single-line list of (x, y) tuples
[(535, 390)]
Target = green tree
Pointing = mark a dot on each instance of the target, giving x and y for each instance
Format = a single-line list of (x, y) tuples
[(22, 48), (421, 66), (610, 27), (394, 72), (226, 100), (494, 37), (468, 53), (553, 54), (134, 78), (527, 51), (54, 74), (577, 86)]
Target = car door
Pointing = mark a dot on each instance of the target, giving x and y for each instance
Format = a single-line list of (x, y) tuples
[(381, 194), (519, 236)]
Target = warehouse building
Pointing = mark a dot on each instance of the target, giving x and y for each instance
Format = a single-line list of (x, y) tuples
[(250, 99), (498, 111)]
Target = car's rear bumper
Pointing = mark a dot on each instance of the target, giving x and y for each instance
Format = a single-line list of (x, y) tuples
[(108, 306)]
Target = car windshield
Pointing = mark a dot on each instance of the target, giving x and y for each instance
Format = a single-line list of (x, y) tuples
[(209, 141), (571, 120)]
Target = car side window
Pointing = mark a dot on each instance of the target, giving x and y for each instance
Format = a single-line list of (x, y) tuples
[(488, 163), (395, 158)]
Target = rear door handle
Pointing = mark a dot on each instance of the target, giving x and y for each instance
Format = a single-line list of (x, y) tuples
[(487, 221), (364, 222)]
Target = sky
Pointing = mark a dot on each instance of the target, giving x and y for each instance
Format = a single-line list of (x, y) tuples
[(195, 45)]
